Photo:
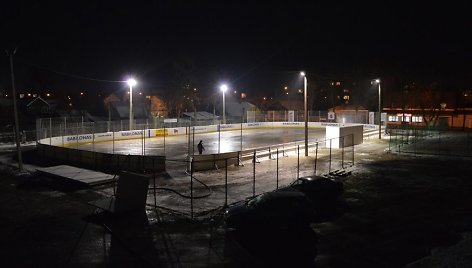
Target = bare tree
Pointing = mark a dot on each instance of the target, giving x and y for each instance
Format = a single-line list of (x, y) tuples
[(180, 98), (429, 99)]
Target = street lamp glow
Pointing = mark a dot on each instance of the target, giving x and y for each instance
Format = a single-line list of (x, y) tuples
[(131, 83), (223, 89), (302, 73)]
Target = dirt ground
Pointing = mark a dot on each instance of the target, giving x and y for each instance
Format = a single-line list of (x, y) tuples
[(396, 211)]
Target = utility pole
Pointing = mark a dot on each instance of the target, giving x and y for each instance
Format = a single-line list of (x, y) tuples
[(15, 111)]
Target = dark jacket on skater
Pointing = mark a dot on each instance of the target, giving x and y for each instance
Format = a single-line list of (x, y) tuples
[(200, 147)]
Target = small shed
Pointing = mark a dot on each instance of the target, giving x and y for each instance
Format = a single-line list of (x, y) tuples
[(348, 113), (38, 107)]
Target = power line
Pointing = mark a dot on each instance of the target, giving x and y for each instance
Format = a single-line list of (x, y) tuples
[(71, 75)]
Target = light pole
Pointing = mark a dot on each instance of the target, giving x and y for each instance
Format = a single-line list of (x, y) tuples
[(380, 110), (15, 112), (223, 89), (306, 111), (131, 82)]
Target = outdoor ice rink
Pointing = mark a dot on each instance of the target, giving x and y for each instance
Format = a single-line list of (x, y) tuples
[(177, 147), (221, 186), (271, 156)]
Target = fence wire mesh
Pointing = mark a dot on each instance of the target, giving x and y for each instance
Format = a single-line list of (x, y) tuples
[(430, 140)]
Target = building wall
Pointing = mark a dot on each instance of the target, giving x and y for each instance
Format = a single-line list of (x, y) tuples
[(447, 118)]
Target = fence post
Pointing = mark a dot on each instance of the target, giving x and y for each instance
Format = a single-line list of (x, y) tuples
[(329, 167), (93, 136), (113, 139), (241, 134), (39, 129), (50, 131), (352, 138), (77, 136), (342, 152), (254, 174), (191, 189), (277, 187), (316, 157), (93, 146), (144, 140), (219, 137), (188, 139), (193, 141), (402, 134), (396, 140), (226, 182), (298, 161)]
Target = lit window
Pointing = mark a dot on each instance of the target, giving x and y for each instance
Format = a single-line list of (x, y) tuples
[(392, 118), (416, 119), (338, 83)]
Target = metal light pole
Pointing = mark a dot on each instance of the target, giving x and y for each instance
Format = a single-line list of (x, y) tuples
[(380, 110), (306, 111), (223, 89), (15, 111), (131, 82)]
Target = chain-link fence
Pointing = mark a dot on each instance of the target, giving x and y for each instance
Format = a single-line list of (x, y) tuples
[(195, 193), (25, 136), (430, 140), (272, 161)]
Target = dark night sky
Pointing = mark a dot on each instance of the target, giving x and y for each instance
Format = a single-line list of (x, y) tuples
[(251, 45)]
